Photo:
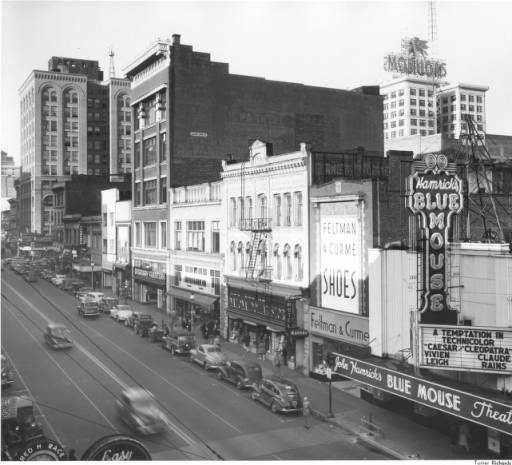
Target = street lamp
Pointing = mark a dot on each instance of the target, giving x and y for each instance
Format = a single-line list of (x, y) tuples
[(92, 275)]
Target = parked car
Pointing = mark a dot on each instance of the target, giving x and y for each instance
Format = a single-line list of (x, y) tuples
[(138, 409), (88, 308), (30, 275), (7, 372), (142, 324), (109, 303), (208, 356), (278, 393), (122, 312), (242, 374), (58, 279), (57, 336), (96, 296), (181, 342)]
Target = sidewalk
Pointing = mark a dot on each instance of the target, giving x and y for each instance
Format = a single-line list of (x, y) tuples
[(396, 435)]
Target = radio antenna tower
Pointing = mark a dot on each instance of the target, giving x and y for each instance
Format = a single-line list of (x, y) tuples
[(112, 69), (432, 27)]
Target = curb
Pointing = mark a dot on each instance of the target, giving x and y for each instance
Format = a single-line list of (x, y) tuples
[(364, 438)]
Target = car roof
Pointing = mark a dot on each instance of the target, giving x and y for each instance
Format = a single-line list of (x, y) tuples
[(283, 382), (137, 393), (56, 325)]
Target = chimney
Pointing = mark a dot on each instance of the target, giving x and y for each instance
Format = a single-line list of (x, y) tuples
[(176, 39)]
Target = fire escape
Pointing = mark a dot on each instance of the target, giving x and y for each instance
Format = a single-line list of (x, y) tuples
[(259, 228)]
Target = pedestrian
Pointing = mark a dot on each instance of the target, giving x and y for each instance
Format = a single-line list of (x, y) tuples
[(261, 350), (71, 455), (306, 412), (277, 362), (246, 342), (464, 434)]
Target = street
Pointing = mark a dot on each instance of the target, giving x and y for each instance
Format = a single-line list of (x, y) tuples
[(76, 390)]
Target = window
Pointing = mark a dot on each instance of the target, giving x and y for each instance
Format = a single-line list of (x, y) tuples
[(136, 154), (136, 194), (163, 147), (422, 92), (479, 99), (232, 220), (262, 199), (401, 112), (413, 111), (471, 108), (479, 108), (298, 264), (463, 97), (215, 237), (423, 122), (111, 217), (413, 101), (393, 94), (462, 107), (138, 237), (287, 262), (178, 235), (277, 209), (400, 133), (393, 105), (195, 236), (422, 112), (163, 190), (393, 124), (215, 275), (248, 206), (298, 208), (150, 234), (471, 98), (412, 91), (400, 122), (288, 209), (149, 151), (150, 192), (177, 274), (163, 234), (401, 103), (422, 103), (232, 252), (385, 125)]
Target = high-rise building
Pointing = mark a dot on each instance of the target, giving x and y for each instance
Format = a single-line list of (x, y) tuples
[(68, 115), (454, 103)]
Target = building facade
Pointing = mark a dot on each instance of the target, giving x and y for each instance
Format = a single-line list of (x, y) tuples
[(265, 203), (65, 131), (9, 173), (195, 258)]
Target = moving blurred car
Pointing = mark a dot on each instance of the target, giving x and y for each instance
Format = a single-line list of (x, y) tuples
[(278, 393), (123, 312), (57, 336), (7, 372), (242, 374), (208, 356), (181, 342), (139, 410)]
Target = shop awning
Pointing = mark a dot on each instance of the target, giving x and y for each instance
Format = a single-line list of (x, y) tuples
[(192, 297)]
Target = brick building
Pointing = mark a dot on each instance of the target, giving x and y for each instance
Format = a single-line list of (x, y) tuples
[(190, 112)]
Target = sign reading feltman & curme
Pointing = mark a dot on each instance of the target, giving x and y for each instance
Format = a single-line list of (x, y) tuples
[(466, 348), (462, 404), (339, 326), (435, 195), (340, 262)]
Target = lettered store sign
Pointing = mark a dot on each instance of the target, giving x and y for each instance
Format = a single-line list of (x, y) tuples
[(435, 195), (340, 262)]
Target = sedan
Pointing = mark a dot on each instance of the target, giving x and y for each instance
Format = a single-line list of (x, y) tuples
[(139, 410), (123, 313), (57, 336), (278, 393), (208, 356), (241, 374)]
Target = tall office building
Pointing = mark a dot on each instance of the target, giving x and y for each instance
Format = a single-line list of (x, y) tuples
[(68, 115), (454, 102)]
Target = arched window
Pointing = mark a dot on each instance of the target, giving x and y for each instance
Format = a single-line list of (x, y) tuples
[(297, 262), (287, 262), (48, 201), (277, 264), (240, 252), (262, 205), (247, 252), (232, 250)]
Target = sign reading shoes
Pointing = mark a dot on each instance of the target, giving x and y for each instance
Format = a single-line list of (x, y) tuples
[(466, 348)]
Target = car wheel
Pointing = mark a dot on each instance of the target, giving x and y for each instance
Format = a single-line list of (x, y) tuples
[(254, 395), (173, 351), (274, 407), (220, 376)]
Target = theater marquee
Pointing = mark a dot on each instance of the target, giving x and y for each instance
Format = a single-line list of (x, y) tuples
[(466, 348)]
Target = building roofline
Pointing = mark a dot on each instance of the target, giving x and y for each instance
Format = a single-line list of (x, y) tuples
[(416, 80), (465, 86), (149, 55)]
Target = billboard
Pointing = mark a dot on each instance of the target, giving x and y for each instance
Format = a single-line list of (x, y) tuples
[(340, 262), (481, 410), (466, 348)]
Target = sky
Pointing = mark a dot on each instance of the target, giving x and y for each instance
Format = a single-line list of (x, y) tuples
[(339, 44)]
